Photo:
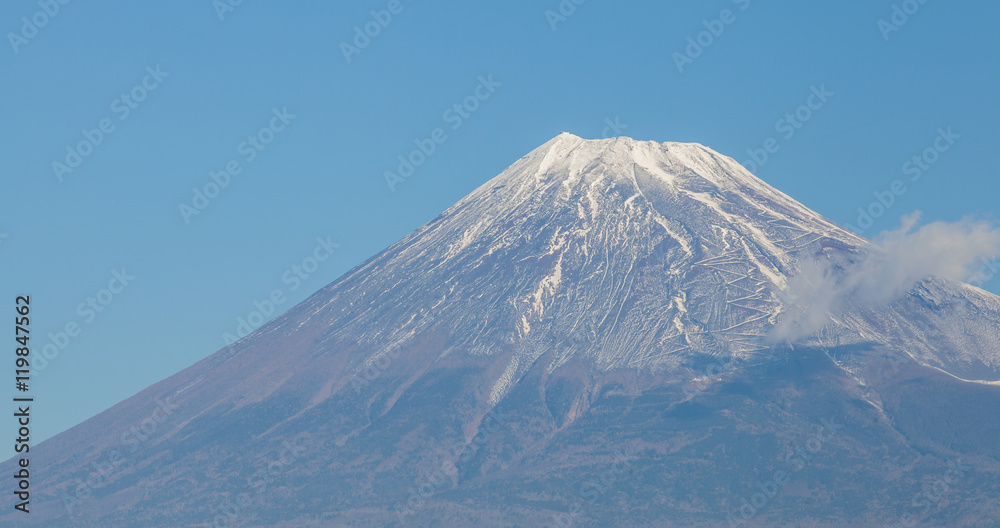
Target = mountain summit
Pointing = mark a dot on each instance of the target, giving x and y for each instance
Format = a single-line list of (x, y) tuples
[(583, 339)]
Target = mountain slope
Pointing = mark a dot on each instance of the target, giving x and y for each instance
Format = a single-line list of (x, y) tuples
[(582, 339)]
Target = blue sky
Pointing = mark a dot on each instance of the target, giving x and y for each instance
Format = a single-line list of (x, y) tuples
[(179, 89)]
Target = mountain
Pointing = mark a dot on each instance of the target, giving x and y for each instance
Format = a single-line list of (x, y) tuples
[(584, 340)]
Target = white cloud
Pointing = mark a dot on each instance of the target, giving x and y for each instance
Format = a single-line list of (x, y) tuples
[(895, 261)]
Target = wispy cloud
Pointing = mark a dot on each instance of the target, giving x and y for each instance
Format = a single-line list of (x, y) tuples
[(895, 261)]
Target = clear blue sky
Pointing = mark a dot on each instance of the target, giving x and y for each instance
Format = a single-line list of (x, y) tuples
[(322, 174)]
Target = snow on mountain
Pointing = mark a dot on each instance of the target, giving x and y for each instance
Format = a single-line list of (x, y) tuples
[(631, 253), (574, 298)]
